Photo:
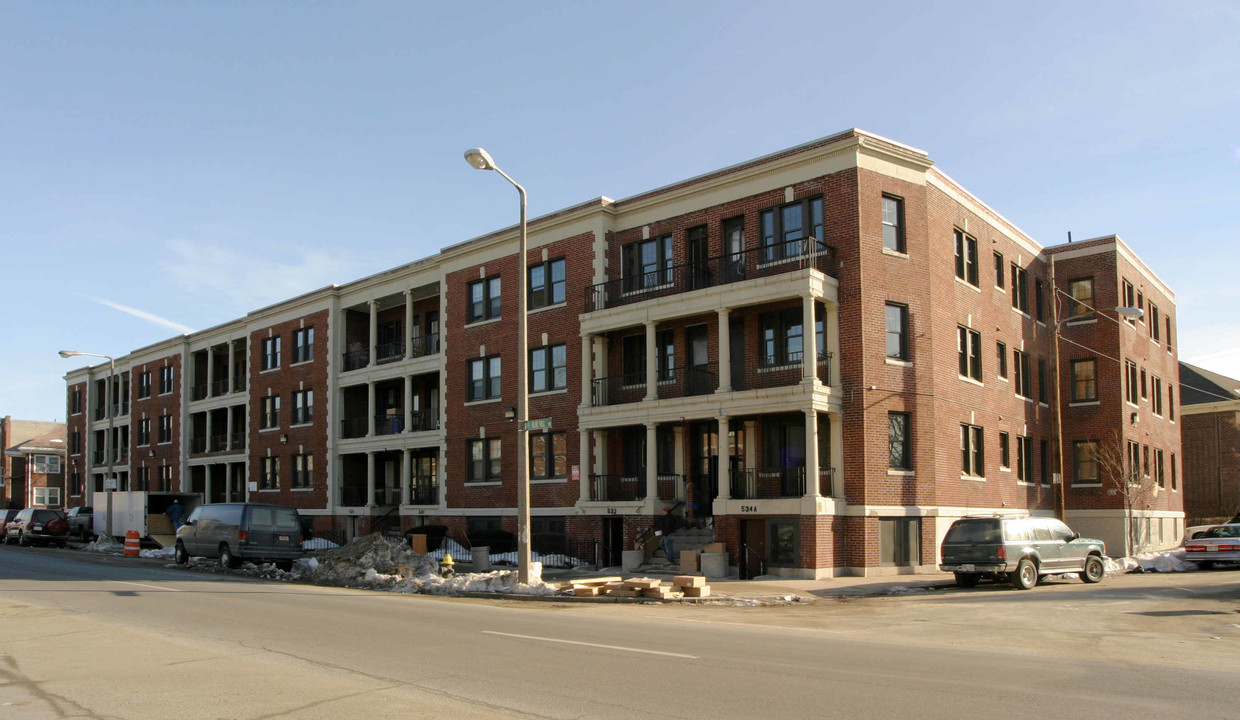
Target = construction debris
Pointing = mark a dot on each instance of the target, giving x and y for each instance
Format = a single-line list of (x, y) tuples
[(682, 586)]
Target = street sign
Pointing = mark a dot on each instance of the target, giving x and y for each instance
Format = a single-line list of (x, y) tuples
[(109, 483), (538, 424)]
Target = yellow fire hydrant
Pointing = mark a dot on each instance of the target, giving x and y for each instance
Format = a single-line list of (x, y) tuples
[(447, 566)]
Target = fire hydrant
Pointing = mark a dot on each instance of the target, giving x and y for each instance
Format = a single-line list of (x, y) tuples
[(447, 566)]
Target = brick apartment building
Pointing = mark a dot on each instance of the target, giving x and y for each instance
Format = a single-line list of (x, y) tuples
[(811, 352), (31, 470), (1211, 416)]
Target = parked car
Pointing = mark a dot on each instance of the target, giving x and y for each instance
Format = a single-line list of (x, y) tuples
[(1221, 543), (241, 531), (36, 525), (1021, 550), (6, 517), (81, 521)]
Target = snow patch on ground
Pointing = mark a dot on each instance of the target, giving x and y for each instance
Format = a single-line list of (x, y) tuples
[(105, 544), (1163, 562), (462, 554), (160, 553)]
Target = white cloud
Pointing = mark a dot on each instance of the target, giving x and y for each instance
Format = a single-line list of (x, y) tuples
[(144, 315)]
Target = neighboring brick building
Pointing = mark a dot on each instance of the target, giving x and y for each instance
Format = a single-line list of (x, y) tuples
[(811, 351), (32, 472), (1211, 415)]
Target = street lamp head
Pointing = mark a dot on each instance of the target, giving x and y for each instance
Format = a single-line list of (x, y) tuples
[(69, 353), (480, 159), (1130, 313)]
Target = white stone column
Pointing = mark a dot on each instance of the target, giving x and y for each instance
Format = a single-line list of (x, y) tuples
[(228, 429), (441, 480), (600, 452), (678, 455), (809, 343), (408, 326), (837, 454), (210, 373), (408, 403), (583, 465), (831, 326), (652, 462), (406, 494), (206, 482), (725, 467), (587, 374), (725, 352), (652, 364), (373, 353), (370, 409), (232, 362), (811, 454), (370, 479)]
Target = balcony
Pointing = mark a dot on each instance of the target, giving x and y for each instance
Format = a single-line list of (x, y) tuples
[(618, 389), (713, 272), (756, 484), (618, 487), (119, 409), (100, 413), (424, 420), (97, 457), (198, 392), (197, 445), (353, 496), (387, 496), (238, 383), (389, 352), (390, 424), (219, 387), (423, 490), (826, 482), (237, 441), (219, 443), (354, 427), (689, 381), (425, 345)]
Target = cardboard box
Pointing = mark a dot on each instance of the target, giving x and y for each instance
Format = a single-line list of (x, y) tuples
[(689, 561), (585, 590), (716, 547), (689, 581), (697, 592), (641, 584), (659, 593), (624, 593), (417, 543)]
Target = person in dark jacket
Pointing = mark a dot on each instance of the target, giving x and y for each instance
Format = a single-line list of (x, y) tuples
[(667, 525), (175, 513)]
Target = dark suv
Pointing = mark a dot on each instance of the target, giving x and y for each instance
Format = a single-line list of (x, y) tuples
[(36, 525), (1021, 550)]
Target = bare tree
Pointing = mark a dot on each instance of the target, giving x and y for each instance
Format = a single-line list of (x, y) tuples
[(1120, 471)]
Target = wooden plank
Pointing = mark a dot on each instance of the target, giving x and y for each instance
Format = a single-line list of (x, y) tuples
[(641, 583), (689, 581)]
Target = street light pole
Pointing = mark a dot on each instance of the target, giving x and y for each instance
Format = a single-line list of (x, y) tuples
[(481, 160), (107, 405)]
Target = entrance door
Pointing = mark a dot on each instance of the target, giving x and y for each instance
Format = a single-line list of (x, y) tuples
[(699, 364), (753, 557), (699, 267), (703, 466), (734, 249), (613, 541)]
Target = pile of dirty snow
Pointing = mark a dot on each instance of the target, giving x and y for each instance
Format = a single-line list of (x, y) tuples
[(462, 554), (105, 544), (1163, 562), (160, 553)]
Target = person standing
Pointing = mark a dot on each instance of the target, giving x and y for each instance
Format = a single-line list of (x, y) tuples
[(175, 512), (668, 539)]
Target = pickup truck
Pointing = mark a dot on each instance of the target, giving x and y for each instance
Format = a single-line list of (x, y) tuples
[(80, 522)]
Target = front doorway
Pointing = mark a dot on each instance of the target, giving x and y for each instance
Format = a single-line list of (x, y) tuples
[(753, 551), (613, 542), (703, 462)]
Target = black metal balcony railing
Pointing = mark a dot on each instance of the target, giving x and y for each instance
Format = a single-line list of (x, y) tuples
[(122, 455), (237, 441), (425, 419), (423, 490), (100, 413), (667, 485), (618, 487), (757, 484), (238, 383), (219, 387), (390, 424), (618, 389), (354, 427), (355, 359), (197, 444), (219, 443), (387, 495), (119, 409), (826, 482), (389, 352), (353, 496), (687, 381), (97, 457), (198, 392), (711, 272), (425, 345)]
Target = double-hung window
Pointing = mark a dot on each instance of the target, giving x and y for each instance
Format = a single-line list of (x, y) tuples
[(484, 300), (1081, 299), (484, 378), (1154, 325), (548, 456), (269, 414), (485, 461), (972, 457), (271, 353), (165, 379), (897, 331), (1043, 382), (664, 342), (1156, 401), (1038, 292), (969, 347), (303, 406), (270, 479), (1085, 462), (1020, 288), (1001, 354), (165, 429), (1085, 380), (893, 224), (303, 344), (1024, 459), (782, 337), (144, 432), (546, 283), (647, 263), (1130, 382), (790, 230), (303, 470), (900, 440), (1005, 451), (1023, 372), (548, 368), (1128, 298), (144, 384), (45, 465), (966, 258), (1000, 270)]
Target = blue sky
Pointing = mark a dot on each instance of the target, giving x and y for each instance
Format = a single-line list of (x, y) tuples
[(175, 165)]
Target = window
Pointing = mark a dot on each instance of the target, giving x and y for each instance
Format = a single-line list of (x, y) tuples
[(647, 263), (484, 300), (633, 359), (1042, 389), (1037, 300), (165, 379), (1134, 461), (144, 432), (781, 337), (1020, 288), (783, 541), (269, 414), (548, 456), (75, 402), (897, 331), (1000, 270), (45, 464), (899, 541), (969, 348), (484, 378), (785, 230), (165, 478), (664, 342), (1043, 462), (1024, 459), (1159, 469), (75, 480), (144, 384), (1130, 381), (1128, 298), (548, 368), (1166, 325), (1145, 455), (75, 440), (303, 345), (1144, 387), (47, 496), (966, 258), (1005, 452), (1022, 369), (1154, 329), (271, 353), (485, 461), (1001, 349), (893, 223), (1157, 402), (1085, 380), (546, 283), (270, 479), (1081, 299), (899, 438), (143, 478), (303, 407), (303, 470), (1173, 475), (165, 429), (1141, 303), (971, 455), (1085, 462), (1171, 401)]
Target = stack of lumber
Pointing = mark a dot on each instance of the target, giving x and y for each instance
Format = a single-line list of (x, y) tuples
[(682, 586)]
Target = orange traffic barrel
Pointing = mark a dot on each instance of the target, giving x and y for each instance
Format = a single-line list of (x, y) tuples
[(131, 543)]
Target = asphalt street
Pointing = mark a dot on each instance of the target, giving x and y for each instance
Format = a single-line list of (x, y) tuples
[(81, 637)]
